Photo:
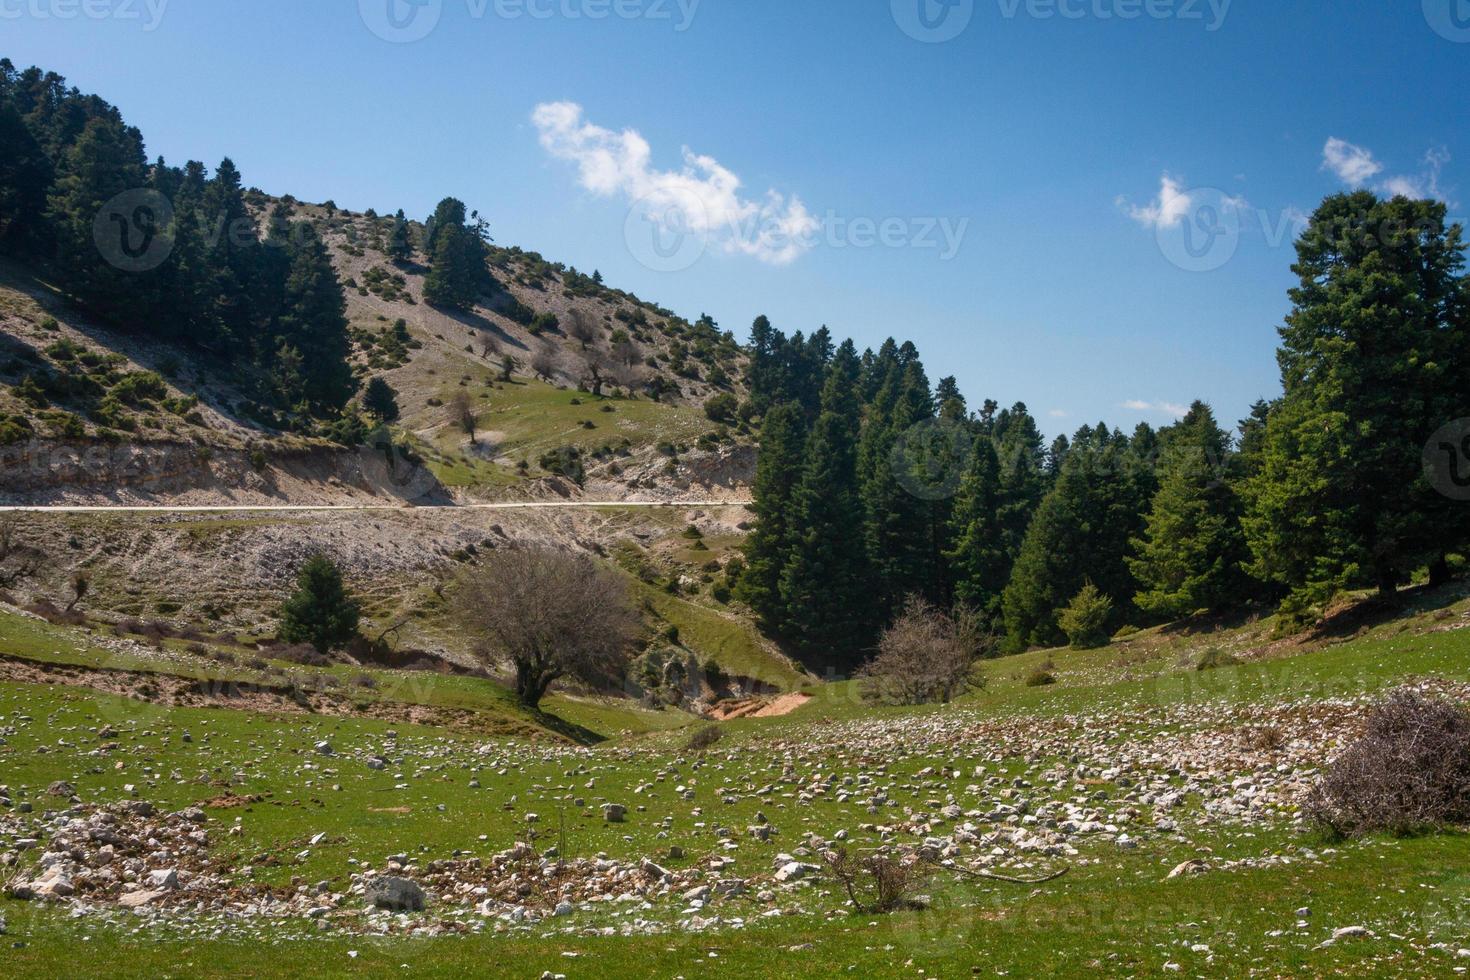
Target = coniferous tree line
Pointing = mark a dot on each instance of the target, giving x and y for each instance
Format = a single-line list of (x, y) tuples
[(268, 298), (860, 505)]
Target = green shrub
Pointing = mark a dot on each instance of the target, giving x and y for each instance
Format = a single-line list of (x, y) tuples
[(1215, 658), (1041, 677), (1085, 620)]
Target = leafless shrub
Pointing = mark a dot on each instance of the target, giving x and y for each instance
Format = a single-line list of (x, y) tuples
[(55, 615), (879, 882), (543, 364), (301, 653), (705, 738), (80, 583), (580, 328), (18, 560), (626, 353), (551, 614), (461, 411), (1408, 773), (926, 656), (1267, 738)]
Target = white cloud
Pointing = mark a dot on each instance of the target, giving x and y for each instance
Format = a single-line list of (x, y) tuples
[(1164, 211), (1163, 408), (704, 196), (1356, 167), (1353, 165), (1058, 413)]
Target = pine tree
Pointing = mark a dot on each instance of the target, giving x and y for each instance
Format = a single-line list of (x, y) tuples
[(1372, 363), (314, 321), (400, 240), (769, 547), (458, 275), (25, 174), (234, 251), (899, 523), (1023, 480), (380, 399), (825, 585), (1081, 532), (1190, 554), (978, 559), (320, 611), (105, 161)]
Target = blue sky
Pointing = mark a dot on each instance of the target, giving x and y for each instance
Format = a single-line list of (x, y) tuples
[(1073, 146)]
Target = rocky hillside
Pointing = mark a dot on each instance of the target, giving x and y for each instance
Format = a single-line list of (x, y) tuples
[(575, 389)]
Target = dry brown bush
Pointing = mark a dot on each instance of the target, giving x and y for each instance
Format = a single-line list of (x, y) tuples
[(879, 882), (926, 656), (1408, 773)]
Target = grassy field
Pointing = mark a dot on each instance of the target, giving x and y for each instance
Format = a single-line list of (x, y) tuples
[(1105, 732)]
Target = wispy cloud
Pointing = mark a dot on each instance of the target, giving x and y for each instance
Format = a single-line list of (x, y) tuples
[(1353, 165), (1161, 407), (1356, 167), (1175, 203), (704, 195), (1164, 211)]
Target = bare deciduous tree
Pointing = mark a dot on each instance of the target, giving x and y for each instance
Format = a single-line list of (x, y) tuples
[(626, 352), (551, 614), (462, 413), (543, 364), (926, 656), (17, 560), (489, 346), (580, 328)]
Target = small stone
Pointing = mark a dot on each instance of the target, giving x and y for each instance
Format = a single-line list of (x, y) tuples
[(138, 899), (163, 880), (614, 812)]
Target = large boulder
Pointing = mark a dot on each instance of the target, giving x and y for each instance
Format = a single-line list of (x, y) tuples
[(393, 893)]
